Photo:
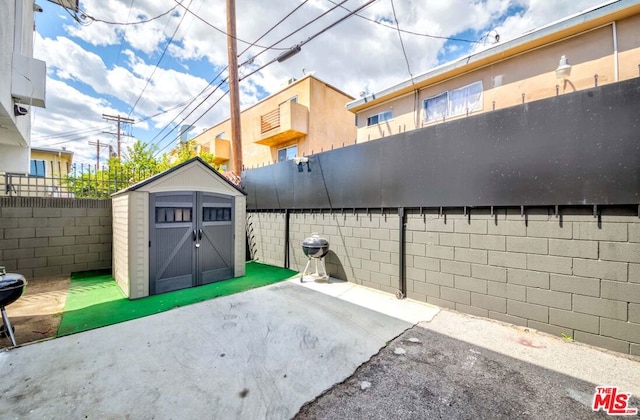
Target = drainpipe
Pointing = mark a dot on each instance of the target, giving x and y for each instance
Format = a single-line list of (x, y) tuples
[(286, 238), (402, 293), (615, 50)]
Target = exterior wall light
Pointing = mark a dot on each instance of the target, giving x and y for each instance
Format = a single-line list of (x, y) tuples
[(564, 68)]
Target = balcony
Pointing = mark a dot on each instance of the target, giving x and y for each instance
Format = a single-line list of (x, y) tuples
[(221, 149), (28, 80), (288, 122)]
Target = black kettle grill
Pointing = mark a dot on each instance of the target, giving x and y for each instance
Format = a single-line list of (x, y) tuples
[(11, 288)]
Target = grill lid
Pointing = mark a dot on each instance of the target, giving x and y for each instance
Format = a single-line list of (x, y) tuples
[(315, 246)]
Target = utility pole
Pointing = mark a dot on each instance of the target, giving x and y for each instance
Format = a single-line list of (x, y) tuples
[(234, 96), (119, 120), (98, 146)]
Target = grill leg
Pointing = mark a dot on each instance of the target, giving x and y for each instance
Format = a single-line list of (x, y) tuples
[(7, 325), (305, 270)]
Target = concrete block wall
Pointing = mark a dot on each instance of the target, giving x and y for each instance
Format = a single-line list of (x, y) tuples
[(41, 237), (565, 275), (574, 274)]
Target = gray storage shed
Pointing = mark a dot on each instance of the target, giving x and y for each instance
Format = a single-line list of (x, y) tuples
[(181, 228)]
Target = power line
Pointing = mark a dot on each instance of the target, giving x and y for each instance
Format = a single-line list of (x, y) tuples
[(220, 30), (404, 51), (84, 15)]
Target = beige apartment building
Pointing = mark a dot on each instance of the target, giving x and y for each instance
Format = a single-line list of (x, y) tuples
[(596, 47), (306, 116), (48, 169)]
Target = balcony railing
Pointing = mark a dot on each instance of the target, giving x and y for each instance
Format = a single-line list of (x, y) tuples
[(269, 121), (287, 122)]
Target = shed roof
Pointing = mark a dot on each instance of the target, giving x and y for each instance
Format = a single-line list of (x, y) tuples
[(192, 161)]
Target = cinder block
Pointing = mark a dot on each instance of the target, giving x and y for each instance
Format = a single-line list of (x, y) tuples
[(634, 349), (82, 240), (602, 342), (62, 241), (106, 221), (507, 228), (488, 272), (600, 307), (62, 222), (88, 221), (428, 238), (442, 279), (18, 254), (82, 258), (608, 270), (389, 246), (415, 249), (495, 243), (528, 278), (572, 284), (416, 223), (453, 239), (471, 284), (505, 290), (478, 227), (47, 212), (99, 230), (416, 296), (573, 248), (509, 319), (381, 278), (10, 265), (626, 331), (606, 231), (438, 224), (33, 242), (52, 251), (20, 233), (36, 222), (527, 245), (415, 274), (478, 256), (634, 272), (75, 249), (61, 261), (426, 289), (507, 259), (550, 298), (455, 267), (31, 263), (560, 265), (455, 295), (16, 212), (9, 243), (441, 303), (74, 231), (49, 232), (549, 329), (616, 290), (528, 311), (491, 303), (74, 268), (426, 263), (9, 222), (471, 310), (380, 234), (47, 271), (634, 313), (390, 269), (362, 253), (382, 257), (351, 242), (75, 212), (362, 275), (442, 252), (625, 252), (550, 229), (106, 211), (360, 232)]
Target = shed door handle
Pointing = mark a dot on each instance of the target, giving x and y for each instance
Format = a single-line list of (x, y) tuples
[(200, 234), (193, 234)]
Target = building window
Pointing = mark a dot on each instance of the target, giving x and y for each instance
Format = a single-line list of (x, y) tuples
[(287, 153), (220, 135), (378, 118), (173, 214), (37, 168), (456, 102)]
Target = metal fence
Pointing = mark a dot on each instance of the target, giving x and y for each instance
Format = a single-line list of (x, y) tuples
[(74, 181)]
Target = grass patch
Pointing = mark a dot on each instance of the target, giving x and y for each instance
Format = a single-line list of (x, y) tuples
[(94, 300)]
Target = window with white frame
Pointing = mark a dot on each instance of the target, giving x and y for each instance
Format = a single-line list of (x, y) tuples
[(287, 153), (378, 118), (453, 103), (38, 168)]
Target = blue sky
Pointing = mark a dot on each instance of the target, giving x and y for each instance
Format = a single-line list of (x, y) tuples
[(103, 68)]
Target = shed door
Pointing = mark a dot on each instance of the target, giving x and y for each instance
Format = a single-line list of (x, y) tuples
[(172, 256), (216, 237), (191, 240)]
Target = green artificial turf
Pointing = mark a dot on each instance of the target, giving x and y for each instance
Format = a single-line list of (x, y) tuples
[(94, 299)]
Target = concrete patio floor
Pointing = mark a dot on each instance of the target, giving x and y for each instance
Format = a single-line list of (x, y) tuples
[(265, 353)]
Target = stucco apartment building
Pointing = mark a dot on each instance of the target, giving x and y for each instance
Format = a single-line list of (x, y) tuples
[(306, 116), (47, 170), (595, 47)]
